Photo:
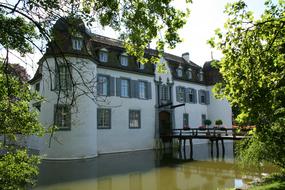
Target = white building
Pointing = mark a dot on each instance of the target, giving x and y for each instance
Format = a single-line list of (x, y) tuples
[(112, 103)]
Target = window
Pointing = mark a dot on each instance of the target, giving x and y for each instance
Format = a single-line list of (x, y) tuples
[(37, 105), (189, 73), (191, 95), (201, 76), (103, 56), (62, 116), (142, 90), (141, 66), (203, 118), (77, 43), (124, 60), (37, 87), (125, 88), (103, 118), (63, 78), (203, 97), (185, 120), (179, 72), (134, 118), (102, 85), (180, 94), (164, 92)]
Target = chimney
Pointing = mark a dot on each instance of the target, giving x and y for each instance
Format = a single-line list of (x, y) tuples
[(186, 57)]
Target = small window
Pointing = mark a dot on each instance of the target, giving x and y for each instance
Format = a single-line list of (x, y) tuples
[(77, 43), (189, 74), (37, 87), (142, 90), (141, 66), (124, 60), (201, 76), (185, 120), (125, 88), (179, 72), (37, 105), (103, 118), (134, 118), (103, 84), (62, 116), (181, 94), (202, 97), (103, 56)]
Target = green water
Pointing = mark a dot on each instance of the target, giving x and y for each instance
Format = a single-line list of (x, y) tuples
[(147, 170)]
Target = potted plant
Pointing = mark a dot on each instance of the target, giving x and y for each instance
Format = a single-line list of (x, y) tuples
[(219, 122), (207, 122)]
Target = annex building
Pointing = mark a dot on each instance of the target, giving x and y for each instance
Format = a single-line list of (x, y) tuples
[(104, 101)]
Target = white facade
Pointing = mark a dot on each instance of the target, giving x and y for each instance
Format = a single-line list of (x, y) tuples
[(85, 140)]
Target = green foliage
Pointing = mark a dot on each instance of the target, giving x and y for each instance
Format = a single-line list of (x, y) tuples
[(207, 122), (253, 68), (219, 122), (18, 170)]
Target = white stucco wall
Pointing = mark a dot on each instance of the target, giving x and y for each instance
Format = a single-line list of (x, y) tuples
[(120, 137), (219, 109), (81, 140)]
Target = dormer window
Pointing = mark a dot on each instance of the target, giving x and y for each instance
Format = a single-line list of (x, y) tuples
[(179, 71), (103, 55), (77, 43), (141, 66), (189, 73), (201, 76), (124, 60)]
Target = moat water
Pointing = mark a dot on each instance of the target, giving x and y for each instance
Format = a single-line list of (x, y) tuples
[(148, 170)]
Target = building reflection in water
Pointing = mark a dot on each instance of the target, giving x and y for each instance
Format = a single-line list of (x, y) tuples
[(145, 170)]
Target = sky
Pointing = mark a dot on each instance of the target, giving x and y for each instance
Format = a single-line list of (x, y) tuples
[(205, 17)]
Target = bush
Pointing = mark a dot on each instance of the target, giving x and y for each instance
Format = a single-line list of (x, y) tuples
[(219, 122), (207, 122)]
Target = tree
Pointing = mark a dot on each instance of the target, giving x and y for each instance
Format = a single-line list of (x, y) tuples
[(253, 69), (23, 24)]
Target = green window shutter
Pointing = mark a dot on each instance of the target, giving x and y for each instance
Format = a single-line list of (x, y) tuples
[(187, 92), (69, 77), (132, 88), (207, 97), (99, 86), (177, 89), (199, 96), (136, 89), (68, 119), (118, 87), (56, 77), (111, 86), (148, 90), (194, 96)]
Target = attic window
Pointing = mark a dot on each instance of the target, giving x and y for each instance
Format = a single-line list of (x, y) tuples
[(179, 71), (189, 73), (103, 55), (141, 66), (124, 59), (77, 43), (201, 76)]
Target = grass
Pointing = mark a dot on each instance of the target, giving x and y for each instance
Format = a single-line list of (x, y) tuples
[(273, 182)]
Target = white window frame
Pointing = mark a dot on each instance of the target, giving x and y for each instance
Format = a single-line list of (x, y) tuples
[(134, 119), (77, 43), (189, 74), (181, 94), (106, 118), (165, 92), (125, 88), (62, 116), (142, 86), (179, 72), (103, 56), (103, 81), (124, 60)]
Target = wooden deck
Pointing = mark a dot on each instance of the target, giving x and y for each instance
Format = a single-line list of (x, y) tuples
[(212, 134)]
